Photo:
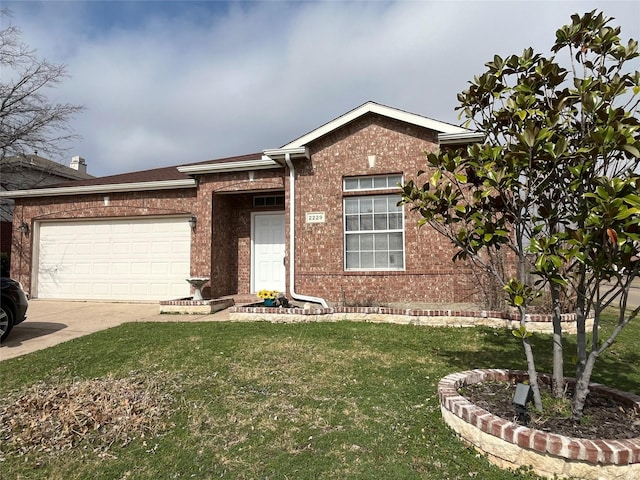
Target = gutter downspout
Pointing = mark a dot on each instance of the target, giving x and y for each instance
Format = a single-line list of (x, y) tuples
[(292, 237)]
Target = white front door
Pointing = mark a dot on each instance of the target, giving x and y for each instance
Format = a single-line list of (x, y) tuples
[(268, 248)]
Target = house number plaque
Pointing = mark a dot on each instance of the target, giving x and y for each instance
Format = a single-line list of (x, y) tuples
[(315, 217)]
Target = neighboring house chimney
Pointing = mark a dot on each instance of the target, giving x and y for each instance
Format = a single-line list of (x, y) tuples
[(78, 163)]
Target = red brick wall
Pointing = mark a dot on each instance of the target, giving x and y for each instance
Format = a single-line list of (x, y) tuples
[(227, 199), (30, 210), (429, 275), (220, 244)]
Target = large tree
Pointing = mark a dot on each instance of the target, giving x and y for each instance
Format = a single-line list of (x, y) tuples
[(555, 184), (31, 125), (29, 121)]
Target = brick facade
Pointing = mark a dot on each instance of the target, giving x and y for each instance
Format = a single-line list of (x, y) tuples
[(223, 204), (429, 275)]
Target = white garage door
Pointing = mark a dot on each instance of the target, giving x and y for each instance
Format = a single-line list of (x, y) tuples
[(116, 259)]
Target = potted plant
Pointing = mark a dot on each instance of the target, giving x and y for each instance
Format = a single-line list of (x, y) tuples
[(268, 296)]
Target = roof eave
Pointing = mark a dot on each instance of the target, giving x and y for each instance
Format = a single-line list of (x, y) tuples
[(237, 166), (93, 189), (294, 152), (460, 138)]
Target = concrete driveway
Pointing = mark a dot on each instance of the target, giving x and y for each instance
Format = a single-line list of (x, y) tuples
[(50, 322)]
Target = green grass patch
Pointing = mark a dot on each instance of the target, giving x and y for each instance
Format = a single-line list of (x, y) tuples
[(260, 400)]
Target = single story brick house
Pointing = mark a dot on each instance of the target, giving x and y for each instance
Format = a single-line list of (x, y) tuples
[(316, 218)]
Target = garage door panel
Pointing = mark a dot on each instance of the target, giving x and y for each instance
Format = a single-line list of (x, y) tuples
[(159, 268), (117, 259)]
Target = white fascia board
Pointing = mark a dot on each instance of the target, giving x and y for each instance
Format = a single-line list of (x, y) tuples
[(89, 189), (257, 164), (295, 152), (455, 138), (372, 107)]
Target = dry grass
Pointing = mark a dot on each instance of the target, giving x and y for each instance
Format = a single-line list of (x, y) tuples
[(53, 418)]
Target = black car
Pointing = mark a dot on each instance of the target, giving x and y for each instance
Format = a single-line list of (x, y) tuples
[(13, 306)]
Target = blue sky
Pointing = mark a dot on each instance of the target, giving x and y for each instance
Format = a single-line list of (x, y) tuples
[(172, 82)]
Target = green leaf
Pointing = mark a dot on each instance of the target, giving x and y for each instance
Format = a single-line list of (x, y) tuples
[(518, 300), (529, 138), (521, 332), (460, 177), (631, 149), (626, 213), (435, 178)]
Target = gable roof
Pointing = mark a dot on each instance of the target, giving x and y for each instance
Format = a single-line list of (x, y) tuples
[(444, 129)]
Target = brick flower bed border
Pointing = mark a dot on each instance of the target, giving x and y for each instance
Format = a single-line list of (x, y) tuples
[(196, 307), (510, 446), (407, 316)]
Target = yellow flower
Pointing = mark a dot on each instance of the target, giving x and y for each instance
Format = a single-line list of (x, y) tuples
[(267, 294)]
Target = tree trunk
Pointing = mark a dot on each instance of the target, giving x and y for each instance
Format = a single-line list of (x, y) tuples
[(533, 374), (582, 387), (581, 319), (558, 360), (531, 365)]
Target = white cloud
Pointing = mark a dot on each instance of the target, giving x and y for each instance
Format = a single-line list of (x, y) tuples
[(169, 83)]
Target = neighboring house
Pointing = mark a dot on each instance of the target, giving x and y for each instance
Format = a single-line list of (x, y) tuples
[(317, 218), (23, 172)]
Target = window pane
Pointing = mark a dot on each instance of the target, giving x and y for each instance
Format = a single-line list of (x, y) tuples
[(366, 183), (380, 204), (366, 260), (382, 260), (350, 183), (366, 222), (366, 205), (380, 222), (351, 205), (393, 204), (395, 221), (366, 242), (395, 241), (351, 223), (379, 182), (394, 180), (381, 242), (395, 260), (353, 260), (353, 243)]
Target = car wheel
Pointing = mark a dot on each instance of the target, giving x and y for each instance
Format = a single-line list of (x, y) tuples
[(6, 322)]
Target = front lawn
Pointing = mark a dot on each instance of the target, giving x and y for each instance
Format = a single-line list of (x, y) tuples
[(276, 401)]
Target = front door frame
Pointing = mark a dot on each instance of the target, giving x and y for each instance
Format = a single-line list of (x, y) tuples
[(253, 252)]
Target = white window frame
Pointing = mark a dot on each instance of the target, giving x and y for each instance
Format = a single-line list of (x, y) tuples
[(386, 188), (389, 182)]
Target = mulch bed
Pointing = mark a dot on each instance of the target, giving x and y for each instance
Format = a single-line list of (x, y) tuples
[(604, 417)]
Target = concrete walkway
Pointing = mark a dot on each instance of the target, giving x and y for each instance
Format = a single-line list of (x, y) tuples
[(50, 322)]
